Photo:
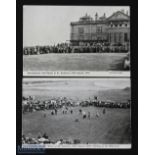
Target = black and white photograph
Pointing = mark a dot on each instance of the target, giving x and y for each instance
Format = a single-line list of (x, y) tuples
[(76, 38), (76, 72), (76, 112)]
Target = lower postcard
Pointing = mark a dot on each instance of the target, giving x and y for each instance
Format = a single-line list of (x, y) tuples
[(76, 113)]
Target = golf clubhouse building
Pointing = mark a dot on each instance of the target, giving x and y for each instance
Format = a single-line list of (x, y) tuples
[(114, 29)]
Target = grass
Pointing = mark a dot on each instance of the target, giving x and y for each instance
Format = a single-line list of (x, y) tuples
[(111, 128), (74, 61)]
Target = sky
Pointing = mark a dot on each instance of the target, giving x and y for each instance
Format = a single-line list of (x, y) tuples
[(78, 84), (49, 25)]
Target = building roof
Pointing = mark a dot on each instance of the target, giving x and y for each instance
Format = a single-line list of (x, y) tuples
[(117, 16), (86, 18), (103, 17)]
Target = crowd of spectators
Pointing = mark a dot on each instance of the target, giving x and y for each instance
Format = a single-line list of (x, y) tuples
[(44, 139), (84, 48), (30, 104)]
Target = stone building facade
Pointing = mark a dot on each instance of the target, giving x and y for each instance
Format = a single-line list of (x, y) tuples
[(114, 29)]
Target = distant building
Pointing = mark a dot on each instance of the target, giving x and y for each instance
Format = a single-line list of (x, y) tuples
[(114, 29)]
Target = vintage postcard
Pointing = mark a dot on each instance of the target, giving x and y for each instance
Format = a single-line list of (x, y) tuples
[(76, 40), (76, 113)]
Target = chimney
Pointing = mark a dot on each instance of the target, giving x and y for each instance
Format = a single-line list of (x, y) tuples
[(96, 16), (104, 15)]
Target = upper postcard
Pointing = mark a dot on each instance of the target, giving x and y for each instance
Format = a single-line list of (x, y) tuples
[(76, 40)]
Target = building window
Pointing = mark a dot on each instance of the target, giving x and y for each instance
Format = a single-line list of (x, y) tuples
[(99, 29), (125, 37), (81, 37), (81, 30), (115, 37), (120, 37), (109, 37), (99, 38)]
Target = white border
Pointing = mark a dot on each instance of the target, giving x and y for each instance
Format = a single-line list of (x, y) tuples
[(79, 146), (78, 73)]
